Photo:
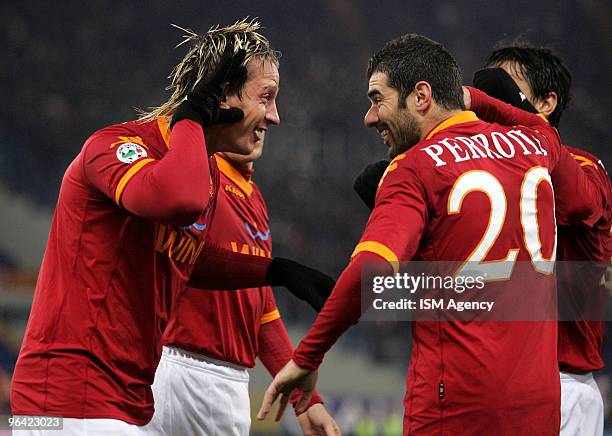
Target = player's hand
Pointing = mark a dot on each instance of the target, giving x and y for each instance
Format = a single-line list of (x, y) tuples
[(288, 379), (316, 421), (306, 283), (499, 84), (203, 103), (366, 183)]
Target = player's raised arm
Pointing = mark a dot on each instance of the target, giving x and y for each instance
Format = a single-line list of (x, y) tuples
[(492, 110), (173, 188), (578, 200)]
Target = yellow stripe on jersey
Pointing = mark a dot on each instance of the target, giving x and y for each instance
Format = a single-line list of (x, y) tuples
[(583, 160), (392, 167), (128, 175), (460, 118), (164, 129), (541, 115), (379, 249), (234, 175), (270, 316), (125, 139)]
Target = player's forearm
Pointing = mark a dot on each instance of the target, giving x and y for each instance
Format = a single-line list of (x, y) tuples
[(221, 269), (493, 110), (341, 311), (175, 189), (275, 350)]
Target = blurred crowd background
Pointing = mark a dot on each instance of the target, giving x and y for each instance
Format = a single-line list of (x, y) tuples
[(70, 68)]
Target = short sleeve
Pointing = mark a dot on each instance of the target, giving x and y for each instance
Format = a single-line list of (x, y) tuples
[(111, 160), (399, 217)]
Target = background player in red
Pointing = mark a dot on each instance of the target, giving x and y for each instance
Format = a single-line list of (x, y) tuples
[(544, 82), (201, 383), (464, 378), (128, 230)]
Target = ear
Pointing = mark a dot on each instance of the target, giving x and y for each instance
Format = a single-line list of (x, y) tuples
[(422, 96), (547, 105), (225, 96)]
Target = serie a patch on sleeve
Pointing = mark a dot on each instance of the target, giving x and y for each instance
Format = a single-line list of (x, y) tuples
[(130, 152)]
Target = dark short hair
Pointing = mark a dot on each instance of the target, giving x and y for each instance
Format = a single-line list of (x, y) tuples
[(541, 68), (412, 58)]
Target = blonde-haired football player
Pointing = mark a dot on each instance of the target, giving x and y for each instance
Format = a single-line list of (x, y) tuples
[(128, 232)]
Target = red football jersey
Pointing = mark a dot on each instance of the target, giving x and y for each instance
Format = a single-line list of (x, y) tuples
[(478, 195), (581, 342), (477, 192), (105, 286), (225, 325)]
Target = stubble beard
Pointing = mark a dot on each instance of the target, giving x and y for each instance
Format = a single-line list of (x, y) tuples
[(408, 134)]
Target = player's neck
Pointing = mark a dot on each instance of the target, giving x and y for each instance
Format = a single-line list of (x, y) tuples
[(213, 141), (434, 118), (241, 163)]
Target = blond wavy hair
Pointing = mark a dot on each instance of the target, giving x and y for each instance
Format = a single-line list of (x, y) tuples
[(204, 55)]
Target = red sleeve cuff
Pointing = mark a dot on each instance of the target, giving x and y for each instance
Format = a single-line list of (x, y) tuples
[(303, 361), (315, 399)]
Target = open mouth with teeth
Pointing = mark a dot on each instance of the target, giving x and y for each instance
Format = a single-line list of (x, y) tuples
[(259, 133), (385, 134)]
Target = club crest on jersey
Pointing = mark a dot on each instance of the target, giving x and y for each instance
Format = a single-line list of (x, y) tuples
[(129, 152), (194, 229), (257, 234)]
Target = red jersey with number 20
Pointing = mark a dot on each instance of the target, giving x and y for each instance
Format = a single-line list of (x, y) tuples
[(106, 284), (477, 192), (224, 325)]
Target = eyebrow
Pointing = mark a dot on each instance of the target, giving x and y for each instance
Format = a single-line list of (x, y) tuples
[(270, 87), (373, 93)]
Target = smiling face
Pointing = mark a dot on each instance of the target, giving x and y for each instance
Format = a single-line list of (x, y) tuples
[(397, 126), (258, 102), (246, 161)]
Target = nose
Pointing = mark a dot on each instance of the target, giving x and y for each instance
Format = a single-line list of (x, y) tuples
[(272, 114), (371, 117)]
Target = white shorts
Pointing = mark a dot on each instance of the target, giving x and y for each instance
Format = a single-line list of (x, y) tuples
[(196, 395), (582, 410), (87, 427)]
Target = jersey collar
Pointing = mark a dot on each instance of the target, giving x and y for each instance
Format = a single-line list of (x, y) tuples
[(460, 118), (234, 175)]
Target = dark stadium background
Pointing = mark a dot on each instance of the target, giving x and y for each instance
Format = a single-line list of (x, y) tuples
[(69, 68)]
